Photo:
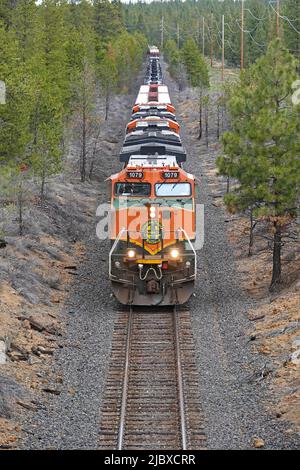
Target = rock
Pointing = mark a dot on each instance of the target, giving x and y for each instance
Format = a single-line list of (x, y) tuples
[(258, 443), (296, 342), (53, 391), (2, 243), (17, 353), (35, 325), (38, 350), (26, 324), (2, 352), (295, 357), (27, 406), (30, 296), (10, 391), (261, 317)]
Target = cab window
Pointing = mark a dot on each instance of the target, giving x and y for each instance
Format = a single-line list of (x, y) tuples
[(132, 189), (173, 189)]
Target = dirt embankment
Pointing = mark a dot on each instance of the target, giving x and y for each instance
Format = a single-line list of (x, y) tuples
[(35, 272), (37, 269), (276, 316)]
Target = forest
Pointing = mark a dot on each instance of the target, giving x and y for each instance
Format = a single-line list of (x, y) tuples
[(202, 21), (56, 57)]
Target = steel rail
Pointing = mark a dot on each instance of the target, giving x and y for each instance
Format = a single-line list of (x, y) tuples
[(180, 384), (125, 383)]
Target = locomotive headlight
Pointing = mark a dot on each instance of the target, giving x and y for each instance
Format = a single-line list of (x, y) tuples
[(152, 212), (174, 253), (131, 253)]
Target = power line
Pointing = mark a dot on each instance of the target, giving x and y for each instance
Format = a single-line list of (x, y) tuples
[(284, 18), (255, 17)]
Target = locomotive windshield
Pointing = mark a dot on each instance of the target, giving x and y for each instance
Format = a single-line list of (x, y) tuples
[(172, 189), (133, 189)]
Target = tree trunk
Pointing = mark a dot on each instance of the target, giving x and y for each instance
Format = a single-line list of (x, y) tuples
[(251, 234), (20, 203), (200, 122), (228, 184), (94, 154), (200, 117), (206, 126), (83, 154), (43, 178), (218, 122), (106, 105), (276, 274)]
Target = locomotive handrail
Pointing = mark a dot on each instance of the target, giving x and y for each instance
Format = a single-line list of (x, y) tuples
[(113, 248), (191, 245)]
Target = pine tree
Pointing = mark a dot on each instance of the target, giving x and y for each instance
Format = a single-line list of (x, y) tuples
[(108, 75), (15, 135), (195, 64), (291, 9), (262, 150)]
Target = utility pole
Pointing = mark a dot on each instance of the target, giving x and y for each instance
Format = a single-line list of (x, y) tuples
[(223, 46), (242, 36), (162, 33), (178, 36), (203, 36), (278, 19), (211, 39)]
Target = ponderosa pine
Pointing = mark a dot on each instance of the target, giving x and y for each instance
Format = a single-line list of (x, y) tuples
[(262, 149)]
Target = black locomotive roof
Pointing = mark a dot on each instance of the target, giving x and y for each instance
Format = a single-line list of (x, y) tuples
[(153, 112), (153, 126), (153, 148), (149, 137)]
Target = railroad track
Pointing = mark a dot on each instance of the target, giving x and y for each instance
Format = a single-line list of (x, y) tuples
[(152, 393)]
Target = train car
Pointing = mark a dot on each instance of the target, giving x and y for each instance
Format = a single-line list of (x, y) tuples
[(152, 122), (154, 106), (152, 260), (153, 51), (152, 149), (160, 137), (153, 112), (153, 93)]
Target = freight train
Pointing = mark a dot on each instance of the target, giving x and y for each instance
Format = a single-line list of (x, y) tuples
[(152, 260)]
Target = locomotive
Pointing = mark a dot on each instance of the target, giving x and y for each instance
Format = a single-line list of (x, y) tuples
[(152, 260)]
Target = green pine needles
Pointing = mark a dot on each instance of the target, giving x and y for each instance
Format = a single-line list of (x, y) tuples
[(262, 148)]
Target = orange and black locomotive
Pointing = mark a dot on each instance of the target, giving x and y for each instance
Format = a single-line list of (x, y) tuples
[(152, 260)]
